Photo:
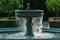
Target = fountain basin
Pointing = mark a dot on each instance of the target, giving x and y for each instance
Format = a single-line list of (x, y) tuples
[(20, 35), (29, 13)]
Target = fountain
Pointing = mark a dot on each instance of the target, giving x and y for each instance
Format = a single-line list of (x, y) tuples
[(32, 18), (28, 15)]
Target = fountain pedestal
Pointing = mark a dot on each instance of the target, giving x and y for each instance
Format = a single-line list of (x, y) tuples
[(29, 27), (29, 14)]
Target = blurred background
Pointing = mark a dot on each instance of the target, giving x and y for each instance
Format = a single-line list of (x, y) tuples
[(50, 7)]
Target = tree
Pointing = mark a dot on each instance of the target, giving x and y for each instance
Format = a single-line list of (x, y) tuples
[(9, 6), (53, 6)]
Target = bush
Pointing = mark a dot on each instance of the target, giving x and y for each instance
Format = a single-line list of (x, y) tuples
[(54, 24), (54, 7), (8, 23)]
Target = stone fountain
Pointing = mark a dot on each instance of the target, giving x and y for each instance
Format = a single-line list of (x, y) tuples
[(28, 15)]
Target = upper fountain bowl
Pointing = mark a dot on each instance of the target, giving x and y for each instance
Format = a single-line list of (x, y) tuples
[(29, 13)]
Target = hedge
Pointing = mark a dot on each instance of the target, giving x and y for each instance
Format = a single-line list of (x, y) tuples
[(54, 24), (7, 23)]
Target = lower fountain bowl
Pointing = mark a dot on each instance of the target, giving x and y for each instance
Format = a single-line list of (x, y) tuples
[(20, 35)]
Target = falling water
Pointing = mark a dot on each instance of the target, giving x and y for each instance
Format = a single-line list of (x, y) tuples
[(37, 24), (21, 23)]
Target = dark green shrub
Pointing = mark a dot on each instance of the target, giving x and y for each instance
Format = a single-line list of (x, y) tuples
[(54, 7), (8, 23), (54, 24)]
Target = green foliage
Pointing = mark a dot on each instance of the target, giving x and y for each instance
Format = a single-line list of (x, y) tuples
[(8, 24), (54, 24), (53, 5), (9, 6)]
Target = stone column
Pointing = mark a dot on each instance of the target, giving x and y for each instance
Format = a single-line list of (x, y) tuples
[(29, 24)]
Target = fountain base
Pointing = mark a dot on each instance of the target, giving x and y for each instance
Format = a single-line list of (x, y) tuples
[(36, 36)]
